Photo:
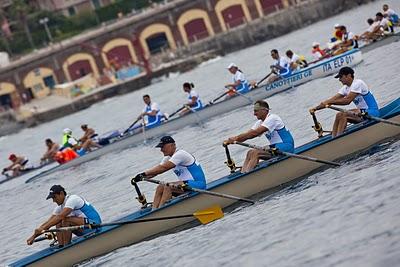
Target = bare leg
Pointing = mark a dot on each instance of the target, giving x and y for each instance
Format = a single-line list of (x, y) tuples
[(338, 118), (167, 195), (273, 78), (252, 158), (157, 196), (65, 237), (348, 117)]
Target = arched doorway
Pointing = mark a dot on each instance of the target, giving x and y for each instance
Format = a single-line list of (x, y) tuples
[(155, 38), (7, 95), (79, 65), (157, 43), (196, 30), (233, 16), (270, 6), (194, 25), (232, 13)]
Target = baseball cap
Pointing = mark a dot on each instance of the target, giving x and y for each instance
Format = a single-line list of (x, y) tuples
[(165, 140), (67, 131), (344, 71), (337, 25), (55, 189), (314, 44), (232, 65), (12, 157)]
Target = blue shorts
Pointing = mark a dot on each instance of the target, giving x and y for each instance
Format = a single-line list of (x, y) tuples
[(286, 147), (373, 112)]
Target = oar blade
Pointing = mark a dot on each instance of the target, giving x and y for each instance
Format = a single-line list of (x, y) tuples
[(209, 215)]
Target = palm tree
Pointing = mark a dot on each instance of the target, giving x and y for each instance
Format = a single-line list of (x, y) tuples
[(20, 10)]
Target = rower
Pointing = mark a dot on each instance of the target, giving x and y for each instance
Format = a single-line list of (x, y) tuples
[(384, 23), (337, 33), (296, 62), (194, 103), (372, 33), (69, 141), (152, 111), (272, 127), (71, 210), (348, 42), (89, 139), (51, 151), (239, 83), (317, 52), (353, 90), (185, 166), (390, 14), (280, 67), (18, 165)]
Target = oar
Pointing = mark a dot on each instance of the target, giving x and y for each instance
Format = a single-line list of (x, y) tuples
[(365, 115), (218, 97), (229, 161), (263, 79), (130, 126), (275, 151), (204, 216), (317, 125), (47, 236), (176, 112), (212, 193)]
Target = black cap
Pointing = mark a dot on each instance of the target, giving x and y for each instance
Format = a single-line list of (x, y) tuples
[(55, 189), (344, 71), (165, 140)]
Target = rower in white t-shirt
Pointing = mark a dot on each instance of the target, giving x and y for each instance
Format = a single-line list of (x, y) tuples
[(185, 166), (272, 127), (353, 90)]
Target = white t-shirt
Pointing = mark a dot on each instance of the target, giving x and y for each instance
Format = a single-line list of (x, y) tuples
[(72, 141), (273, 123), (360, 87), (384, 23), (153, 106), (73, 202), (238, 76), (390, 12), (283, 62), (193, 93), (350, 36), (294, 58), (373, 26), (182, 160)]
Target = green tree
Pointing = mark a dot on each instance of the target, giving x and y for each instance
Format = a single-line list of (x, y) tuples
[(19, 11)]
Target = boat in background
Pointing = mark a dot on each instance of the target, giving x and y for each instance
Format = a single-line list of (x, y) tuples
[(268, 175), (321, 69)]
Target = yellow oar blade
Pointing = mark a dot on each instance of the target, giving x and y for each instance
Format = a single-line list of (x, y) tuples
[(210, 214)]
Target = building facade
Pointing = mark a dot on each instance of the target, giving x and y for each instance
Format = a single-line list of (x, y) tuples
[(131, 41)]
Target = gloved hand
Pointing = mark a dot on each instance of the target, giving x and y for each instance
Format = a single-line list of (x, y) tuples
[(140, 177), (4, 170)]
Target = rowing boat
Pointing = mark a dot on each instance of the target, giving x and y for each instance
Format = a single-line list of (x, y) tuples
[(26, 171), (318, 70), (384, 41), (267, 176)]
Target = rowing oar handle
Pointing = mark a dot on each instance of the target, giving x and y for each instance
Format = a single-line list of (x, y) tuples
[(141, 198), (229, 162), (317, 125), (47, 236)]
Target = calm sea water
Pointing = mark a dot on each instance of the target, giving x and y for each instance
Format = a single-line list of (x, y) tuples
[(347, 216)]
